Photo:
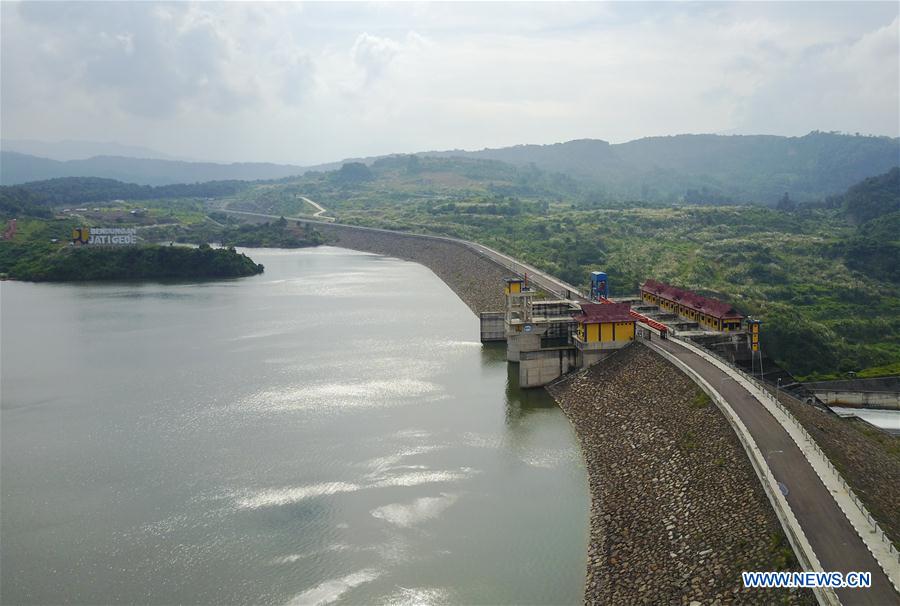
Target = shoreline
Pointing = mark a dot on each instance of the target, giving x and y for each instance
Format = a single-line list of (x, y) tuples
[(677, 512), (719, 522), (132, 263), (477, 281)]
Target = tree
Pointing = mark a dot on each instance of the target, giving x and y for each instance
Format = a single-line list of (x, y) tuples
[(786, 204), (353, 172)]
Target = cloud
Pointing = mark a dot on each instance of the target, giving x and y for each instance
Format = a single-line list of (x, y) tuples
[(847, 84), (152, 59), (297, 75), (374, 54), (225, 80)]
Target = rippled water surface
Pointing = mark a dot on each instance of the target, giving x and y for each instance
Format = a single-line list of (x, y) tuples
[(329, 432)]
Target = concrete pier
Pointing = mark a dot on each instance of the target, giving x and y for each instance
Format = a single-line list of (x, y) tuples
[(542, 366), (549, 339), (492, 326)]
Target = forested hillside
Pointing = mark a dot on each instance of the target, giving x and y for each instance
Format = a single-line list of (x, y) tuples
[(81, 190), (699, 169), (823, 273), (874, 197), (19, 202), (148, 262), (874, 207), (825, 285), (712, 168)]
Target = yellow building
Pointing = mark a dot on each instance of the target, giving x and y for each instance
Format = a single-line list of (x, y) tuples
[(514, 286), (605, 323), (710, 314)]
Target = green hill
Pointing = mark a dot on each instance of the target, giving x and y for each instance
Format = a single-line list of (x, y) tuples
[(703, 169), (149, 262), (874, 207), (72, 191), (753, 168), (872, 198)]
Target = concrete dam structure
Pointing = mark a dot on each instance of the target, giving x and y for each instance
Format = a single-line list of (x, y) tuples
[(882, 393), (548, 338), (826, 524)]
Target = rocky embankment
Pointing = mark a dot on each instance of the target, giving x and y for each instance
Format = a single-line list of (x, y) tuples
[(677, 510), (868, 459), (476, 280)]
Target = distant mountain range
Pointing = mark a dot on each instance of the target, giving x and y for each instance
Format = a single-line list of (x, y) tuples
[(16, 168), (81, 150), (737, 168), (708, 168)]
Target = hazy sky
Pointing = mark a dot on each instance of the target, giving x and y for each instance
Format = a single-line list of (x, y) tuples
[(309, 83)]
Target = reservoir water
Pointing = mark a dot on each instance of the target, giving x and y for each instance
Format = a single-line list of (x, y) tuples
[(331, 431)]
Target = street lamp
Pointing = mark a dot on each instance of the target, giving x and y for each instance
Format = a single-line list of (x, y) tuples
[(778, 390)]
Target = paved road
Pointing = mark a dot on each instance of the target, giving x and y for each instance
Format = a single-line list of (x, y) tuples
[(833, 539), (830, 534), (320, 213)]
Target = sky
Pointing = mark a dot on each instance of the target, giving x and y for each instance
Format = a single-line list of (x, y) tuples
[(318, 82)]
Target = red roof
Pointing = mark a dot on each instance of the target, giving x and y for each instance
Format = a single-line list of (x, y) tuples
[(593, 313), (705, 305)]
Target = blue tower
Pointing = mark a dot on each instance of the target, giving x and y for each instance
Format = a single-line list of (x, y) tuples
[(599, 285)]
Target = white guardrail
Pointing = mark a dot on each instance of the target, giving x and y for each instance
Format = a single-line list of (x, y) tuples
[(546, 281), (792, 529), (872, 535), (866, 526)]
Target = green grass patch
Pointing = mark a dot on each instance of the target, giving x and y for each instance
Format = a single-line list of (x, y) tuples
[(700, 400)]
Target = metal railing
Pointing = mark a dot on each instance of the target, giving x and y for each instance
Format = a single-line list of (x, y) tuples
[(803, 550), (810, 441), (556, 287)]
